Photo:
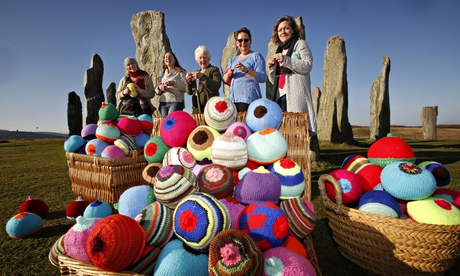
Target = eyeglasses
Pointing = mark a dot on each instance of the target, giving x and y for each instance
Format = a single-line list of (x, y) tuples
[(241, 40)]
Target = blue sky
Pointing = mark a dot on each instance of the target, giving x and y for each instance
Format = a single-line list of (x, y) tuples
[(46, 47)]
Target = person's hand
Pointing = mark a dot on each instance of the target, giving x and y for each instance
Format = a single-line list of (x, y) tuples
[(271, 62), (162, 87), (169, 83), (241, 67), (125, 91), (189, 77), (278, 57)]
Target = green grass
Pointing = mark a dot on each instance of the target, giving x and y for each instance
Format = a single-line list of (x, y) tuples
[(38, 168)]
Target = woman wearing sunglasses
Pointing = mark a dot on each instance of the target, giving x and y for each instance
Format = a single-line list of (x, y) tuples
[(244, 72)]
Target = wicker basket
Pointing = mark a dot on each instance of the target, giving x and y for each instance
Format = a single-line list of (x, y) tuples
[(69, 266), (104, 179), (388, 246)]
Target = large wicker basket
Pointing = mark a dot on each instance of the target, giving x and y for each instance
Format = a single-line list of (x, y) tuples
[(388, 246), (104, 179)]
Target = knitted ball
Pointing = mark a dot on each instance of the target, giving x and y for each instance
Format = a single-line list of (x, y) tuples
[(200, 140), (230, 151), (264, 113), (216, 180), (240, 129), (157, 221), (76, 237), (146, 122), (108, 112), (219, 113), (179, 156), (451, 195), (295, 245), (301, 216), (390, 149), (112, 151), (233, 252), (191, 262), (200, 165), (266, 146), (76, 208), (74, 143), (88, 132), (198, 218), (130, 125), (173, 184), (23, 224), (150, 172), (155, 149), (266, 223), (146, 263), (176, 128), (439, 171), (291, 177), (141, 139), (407, 181), (97, 209), (350, 185), (126, 142), (433, 211), (354, 162), (258, 185), (95, 147), (56, 250), (282, 261), (34, 205), (379, 202), (107, 132), (116, 243), (234, 208), (134, 199), (370, 175), (250, 165)]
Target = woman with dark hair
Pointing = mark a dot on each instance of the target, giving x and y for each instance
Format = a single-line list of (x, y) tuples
[(289, 72), (244, 72), (171, 85)]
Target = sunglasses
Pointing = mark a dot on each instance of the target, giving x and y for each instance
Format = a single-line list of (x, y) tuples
[(241, 40)]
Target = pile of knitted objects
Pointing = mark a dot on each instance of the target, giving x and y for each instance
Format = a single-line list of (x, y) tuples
[(390, 182), (223, 199), (113, 136)]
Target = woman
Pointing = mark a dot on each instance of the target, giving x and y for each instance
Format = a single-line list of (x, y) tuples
[(289, 72), (135, 90), (244, 72), (171, 85), (203, 83)]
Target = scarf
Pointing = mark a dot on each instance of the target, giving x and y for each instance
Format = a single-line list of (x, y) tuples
[(280, 73), (137, 76)]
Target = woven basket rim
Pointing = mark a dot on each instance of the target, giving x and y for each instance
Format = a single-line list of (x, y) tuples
[(132, 158)]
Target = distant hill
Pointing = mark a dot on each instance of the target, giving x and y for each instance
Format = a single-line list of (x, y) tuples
[(7, 134)]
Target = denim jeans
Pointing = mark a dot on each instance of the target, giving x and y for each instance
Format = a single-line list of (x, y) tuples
[(167, 108), (282, 103)]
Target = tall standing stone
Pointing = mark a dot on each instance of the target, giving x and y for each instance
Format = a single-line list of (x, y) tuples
[(316, 97), (230, 50), (110, 94), (429, 121), (94, 95), (149, 33), (332, 120), (380, 103), (74, 114)]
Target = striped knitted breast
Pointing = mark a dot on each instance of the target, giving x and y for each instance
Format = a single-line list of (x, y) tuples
[(173, 184), (156, 219)]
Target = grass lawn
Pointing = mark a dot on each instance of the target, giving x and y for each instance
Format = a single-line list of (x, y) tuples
[(38, 168)]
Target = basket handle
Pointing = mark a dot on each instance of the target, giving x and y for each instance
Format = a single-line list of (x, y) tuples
[(337, 190), (134, 155)]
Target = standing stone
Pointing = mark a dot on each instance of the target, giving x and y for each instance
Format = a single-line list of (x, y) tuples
[(110, 94), (332, 120), (230, 50), (380, 103), (74, 114), (94, 95), (316, 97), (429, 116), (149, 33)]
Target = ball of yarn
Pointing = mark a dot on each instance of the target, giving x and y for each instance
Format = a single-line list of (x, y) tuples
[(146, 122), (200, 140), (234, 208), (155, 150), (108, 132), (141, 139), (233, 252), (126, 142), (173, 183), (295, 245), (74, 143), (282, 261), (216, 180), (34, 205), (88, 132), (176, 128), (439, 171), (264, 113), (112, 151), (23, 225), (266, 146), (451, 195), (433, 211), (77, 236), (179, 156), (240, 129), (353, 162), (301, 216), (258, 185), (370, 176), (116, 243), (219, 113), (76, 208), (157, 221), (97, 209), (108, 112), (379, 202), (291, 177), (130, 125), (230, 151), (407, 181), (349, 183), (266, 223), (134, 199), (390, 149), (150, 171), (198, 218), (95, 147)]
